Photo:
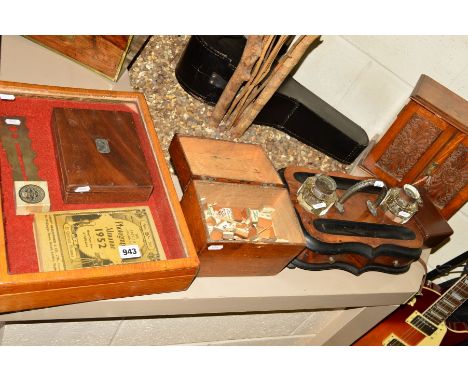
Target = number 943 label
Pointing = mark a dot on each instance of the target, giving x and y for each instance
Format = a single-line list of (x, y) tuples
[(129, 251)]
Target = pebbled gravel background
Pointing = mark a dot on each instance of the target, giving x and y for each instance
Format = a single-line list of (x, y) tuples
[(174, 110)]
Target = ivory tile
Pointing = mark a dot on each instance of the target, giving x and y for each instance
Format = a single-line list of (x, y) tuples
[(454, 247), (459, 84), (375, 99), (331, 68), (209, 328), (61, 333), (440, 57), (306, 340), (316, 322), (2, 331)]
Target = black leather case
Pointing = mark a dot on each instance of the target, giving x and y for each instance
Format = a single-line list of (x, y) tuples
[(208, 63)]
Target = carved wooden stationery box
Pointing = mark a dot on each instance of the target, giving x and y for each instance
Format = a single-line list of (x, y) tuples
[(427, 142), (28, 279), (107, 55), (239, 176), (355, 241), (99, 156)]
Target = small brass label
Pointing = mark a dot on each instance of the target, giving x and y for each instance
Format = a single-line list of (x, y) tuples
[(102, 145)]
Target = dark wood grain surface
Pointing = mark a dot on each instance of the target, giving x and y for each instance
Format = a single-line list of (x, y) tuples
[(102, 53), (355, 210), (119, 175)]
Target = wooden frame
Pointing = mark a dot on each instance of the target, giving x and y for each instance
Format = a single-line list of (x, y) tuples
[(33, 290), (371, 162), (134, 46)]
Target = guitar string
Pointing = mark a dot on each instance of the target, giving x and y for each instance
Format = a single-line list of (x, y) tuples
[(458, 287), (411, 332), (462, 291), (412, 335)]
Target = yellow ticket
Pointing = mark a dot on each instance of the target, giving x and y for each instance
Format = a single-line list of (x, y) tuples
[(92, 238)]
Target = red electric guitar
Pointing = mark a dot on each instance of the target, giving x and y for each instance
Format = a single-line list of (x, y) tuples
[(422, 320)]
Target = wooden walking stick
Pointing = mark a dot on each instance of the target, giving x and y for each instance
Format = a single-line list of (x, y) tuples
[(250, 55), (266, 48), (279, 74), (249, 90)]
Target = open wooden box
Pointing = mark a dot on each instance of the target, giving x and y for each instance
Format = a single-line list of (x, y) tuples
[(234, 175), (22, 285)]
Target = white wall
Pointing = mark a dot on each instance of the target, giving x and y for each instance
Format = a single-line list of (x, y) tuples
[(370, 78)]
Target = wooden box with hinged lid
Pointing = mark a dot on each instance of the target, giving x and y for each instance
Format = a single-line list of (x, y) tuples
[(99, 156), (238, 177), (26, 280)]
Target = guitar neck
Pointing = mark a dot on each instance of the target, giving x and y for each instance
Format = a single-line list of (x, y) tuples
[(444, 306)]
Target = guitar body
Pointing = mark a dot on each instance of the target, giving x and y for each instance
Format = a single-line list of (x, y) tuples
[(395, 327)]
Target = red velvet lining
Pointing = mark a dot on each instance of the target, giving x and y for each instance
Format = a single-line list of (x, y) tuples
[(21, 251)]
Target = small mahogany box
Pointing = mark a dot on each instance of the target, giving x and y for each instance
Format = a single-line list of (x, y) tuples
[(22, 283), (99, 156), (241, 176)]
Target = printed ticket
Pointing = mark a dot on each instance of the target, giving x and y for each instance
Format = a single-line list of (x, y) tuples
[(92, 238)]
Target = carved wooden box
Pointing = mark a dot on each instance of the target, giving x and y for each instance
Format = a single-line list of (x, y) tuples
[(24, 284), (235, 175), (99, 156), (107, 55), (427, 144)]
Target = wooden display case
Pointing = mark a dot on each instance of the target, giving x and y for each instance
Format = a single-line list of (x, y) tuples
[(428, 140), (107, 55), (22, 285), (234, 175)]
